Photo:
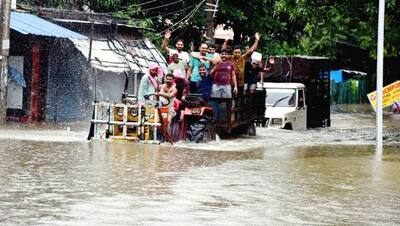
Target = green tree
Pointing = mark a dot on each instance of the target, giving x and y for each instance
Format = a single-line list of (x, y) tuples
[(313, 27)]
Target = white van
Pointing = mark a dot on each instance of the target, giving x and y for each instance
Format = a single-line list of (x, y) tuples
[(285, 105)]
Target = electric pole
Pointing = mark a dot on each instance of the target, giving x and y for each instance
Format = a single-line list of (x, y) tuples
[(210, 17), (5, 47)]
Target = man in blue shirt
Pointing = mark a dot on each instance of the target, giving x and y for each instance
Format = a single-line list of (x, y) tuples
[(204, 84), (193, 75)]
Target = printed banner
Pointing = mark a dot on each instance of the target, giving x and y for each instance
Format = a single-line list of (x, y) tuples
[(391, 94)]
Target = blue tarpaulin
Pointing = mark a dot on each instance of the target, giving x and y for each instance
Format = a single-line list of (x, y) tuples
[(26, 23), (14, 74), (337, 76)]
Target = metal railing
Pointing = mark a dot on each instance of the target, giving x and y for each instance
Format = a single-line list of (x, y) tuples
[(134, 122)]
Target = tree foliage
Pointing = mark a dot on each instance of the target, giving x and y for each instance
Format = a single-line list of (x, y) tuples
[(313, 27)]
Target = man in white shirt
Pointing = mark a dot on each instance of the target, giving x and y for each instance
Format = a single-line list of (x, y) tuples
[(183, 55)]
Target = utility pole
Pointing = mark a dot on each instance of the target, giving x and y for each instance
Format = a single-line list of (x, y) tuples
[(210, 17), (379, 81), (5, 47)]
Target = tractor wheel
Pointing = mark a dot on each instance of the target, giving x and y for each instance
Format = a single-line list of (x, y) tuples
[(201, 131), (209, 132)]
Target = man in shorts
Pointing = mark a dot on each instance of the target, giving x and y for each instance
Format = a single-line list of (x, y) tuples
[(251, 76), (223, 75), (169, 91)]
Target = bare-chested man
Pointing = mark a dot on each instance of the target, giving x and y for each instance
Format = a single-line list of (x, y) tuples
[(169, 91)]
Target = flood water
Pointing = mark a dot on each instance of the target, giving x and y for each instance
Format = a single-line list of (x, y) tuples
[(244, 181)]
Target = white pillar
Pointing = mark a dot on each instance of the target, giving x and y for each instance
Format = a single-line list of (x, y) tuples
[(379, 80)]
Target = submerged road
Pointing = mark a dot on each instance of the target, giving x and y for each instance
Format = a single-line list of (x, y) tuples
[(346, 129), (51, 176)]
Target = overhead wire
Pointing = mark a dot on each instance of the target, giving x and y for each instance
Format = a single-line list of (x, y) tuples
[(161, 15), (160, 6), (187, 17), (145, 3), (124, 48)]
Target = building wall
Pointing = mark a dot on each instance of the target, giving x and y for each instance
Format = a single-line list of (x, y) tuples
[(110, 86)]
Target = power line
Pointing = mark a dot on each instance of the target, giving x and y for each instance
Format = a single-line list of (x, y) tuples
[(161, 15), (145, 3), (187, 17), (142, 4), (160, 6)]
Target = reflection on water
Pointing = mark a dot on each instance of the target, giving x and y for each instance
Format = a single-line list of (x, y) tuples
[(97, 183)]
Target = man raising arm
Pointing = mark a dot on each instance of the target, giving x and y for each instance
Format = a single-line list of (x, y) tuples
[(179, 45)]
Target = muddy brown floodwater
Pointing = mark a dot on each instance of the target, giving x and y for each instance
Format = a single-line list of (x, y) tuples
[(317, 177)]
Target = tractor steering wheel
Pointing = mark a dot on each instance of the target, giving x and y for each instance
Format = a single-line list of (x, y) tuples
[(193, 100), (164, 101)]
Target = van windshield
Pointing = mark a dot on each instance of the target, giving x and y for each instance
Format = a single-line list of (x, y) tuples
[(280, 98)]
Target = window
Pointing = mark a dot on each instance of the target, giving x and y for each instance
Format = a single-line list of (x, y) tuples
[(301, 98), (277, 97)]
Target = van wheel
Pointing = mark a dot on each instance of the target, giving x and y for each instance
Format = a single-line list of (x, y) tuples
[(326, 123), (250, 129), (264, 122), (288, 126)]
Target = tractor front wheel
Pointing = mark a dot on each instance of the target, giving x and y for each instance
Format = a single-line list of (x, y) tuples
[(201, 130)]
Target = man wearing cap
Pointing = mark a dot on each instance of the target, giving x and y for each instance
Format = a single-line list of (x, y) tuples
[(179, 45), (150, 82)]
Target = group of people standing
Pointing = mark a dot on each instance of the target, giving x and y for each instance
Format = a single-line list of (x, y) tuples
[(207, 72)]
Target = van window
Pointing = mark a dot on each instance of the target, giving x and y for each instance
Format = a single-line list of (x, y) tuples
[(277, 97), (301, 98)]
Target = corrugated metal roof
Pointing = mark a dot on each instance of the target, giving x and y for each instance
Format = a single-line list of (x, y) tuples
[(26, 23), (108, 57)]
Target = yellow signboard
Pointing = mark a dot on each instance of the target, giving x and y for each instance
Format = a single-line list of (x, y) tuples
[(391, 94)]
